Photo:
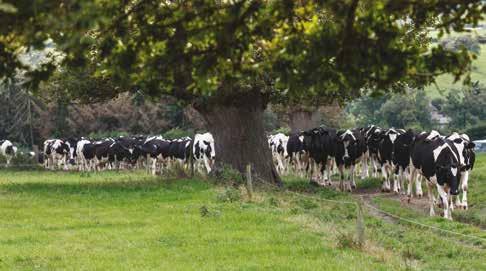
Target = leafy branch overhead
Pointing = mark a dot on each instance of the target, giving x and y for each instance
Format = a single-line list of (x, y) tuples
[(295, 51)]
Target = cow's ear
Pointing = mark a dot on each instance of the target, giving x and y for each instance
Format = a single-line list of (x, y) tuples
[(471, 145)]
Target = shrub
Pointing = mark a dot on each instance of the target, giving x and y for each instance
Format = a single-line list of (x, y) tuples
[(228, 175), (230, 194), (283, 130), (477, 132), (176, 133)]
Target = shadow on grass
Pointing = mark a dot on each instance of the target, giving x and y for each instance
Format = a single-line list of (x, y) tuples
[(125, 185)]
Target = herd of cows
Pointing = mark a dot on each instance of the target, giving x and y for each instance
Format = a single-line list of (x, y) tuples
[(402, 157)]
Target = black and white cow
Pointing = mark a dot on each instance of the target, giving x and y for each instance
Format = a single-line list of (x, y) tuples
[(401, 158), (72, 145), (351, 146), (154, 148), (84, 154), (203, 151), (465, 148), (8, 150), (296, 153), (320, 144), (436, 159), (373, 136), (179, 150), (386, 152), (278, 145), (56, 153)]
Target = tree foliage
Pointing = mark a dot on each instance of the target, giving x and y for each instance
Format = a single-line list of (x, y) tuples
[(305, 51)]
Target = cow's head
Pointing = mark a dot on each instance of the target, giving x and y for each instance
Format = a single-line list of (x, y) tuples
[(71, 144), (447, 168), (348, 139), (9, 150)]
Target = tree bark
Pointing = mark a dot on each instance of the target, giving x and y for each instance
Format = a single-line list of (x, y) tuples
[(301, 120), (236, 123)]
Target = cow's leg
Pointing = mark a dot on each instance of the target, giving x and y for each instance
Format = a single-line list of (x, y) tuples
[(374, 167), (329, 166), (411, 178), (464, 187), (364, 166), (352, 184), (384, 186), (418, 186), (206, 164), (154, 164), (341, 172), (443, 196), (430, 193)]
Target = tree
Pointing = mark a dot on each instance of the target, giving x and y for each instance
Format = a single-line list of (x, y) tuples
[(466, 107), (231, 58)]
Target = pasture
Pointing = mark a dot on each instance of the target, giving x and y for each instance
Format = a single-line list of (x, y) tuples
[(133, 221)]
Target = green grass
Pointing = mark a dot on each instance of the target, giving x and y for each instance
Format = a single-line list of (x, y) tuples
[(446, 82), (128, 221), (131, 221)]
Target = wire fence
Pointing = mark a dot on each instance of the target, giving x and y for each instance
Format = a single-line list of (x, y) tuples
[(360, 201)]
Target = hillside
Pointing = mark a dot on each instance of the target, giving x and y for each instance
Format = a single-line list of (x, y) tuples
[(446, 82)]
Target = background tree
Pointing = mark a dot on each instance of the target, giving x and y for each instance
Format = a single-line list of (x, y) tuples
[(230, 59)]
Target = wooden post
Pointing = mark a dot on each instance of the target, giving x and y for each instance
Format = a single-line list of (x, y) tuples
[(360, 225), (249, 183)]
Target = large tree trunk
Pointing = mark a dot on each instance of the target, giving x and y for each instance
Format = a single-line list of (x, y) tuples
[(236, 123), (301, 120)]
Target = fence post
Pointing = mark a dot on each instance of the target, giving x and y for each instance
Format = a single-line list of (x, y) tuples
[(360, 226), (249, 183)]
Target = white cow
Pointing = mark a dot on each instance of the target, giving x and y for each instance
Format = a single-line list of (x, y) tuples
[(278, 145), (8, 150), (203, 150)]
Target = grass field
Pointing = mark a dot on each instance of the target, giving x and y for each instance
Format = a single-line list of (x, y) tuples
[(446, 82), (131, 221)]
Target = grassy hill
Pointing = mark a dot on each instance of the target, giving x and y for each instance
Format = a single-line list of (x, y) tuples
[(446, 82), (131, 221)]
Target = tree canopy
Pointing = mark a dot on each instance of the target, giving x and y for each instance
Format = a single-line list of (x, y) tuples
[(305, 51)]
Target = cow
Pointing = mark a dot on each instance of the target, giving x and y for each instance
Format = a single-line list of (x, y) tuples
[(373, 138), (72, 145), (465, 148), (296, 153), (351, 146), (203, 150), (156, 149), (179, 150), (83, 155), (386, 152), (401, 158), (320, 144), (57, 153), (99, 152), (278, 145), (8, 150), (437, 160)]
